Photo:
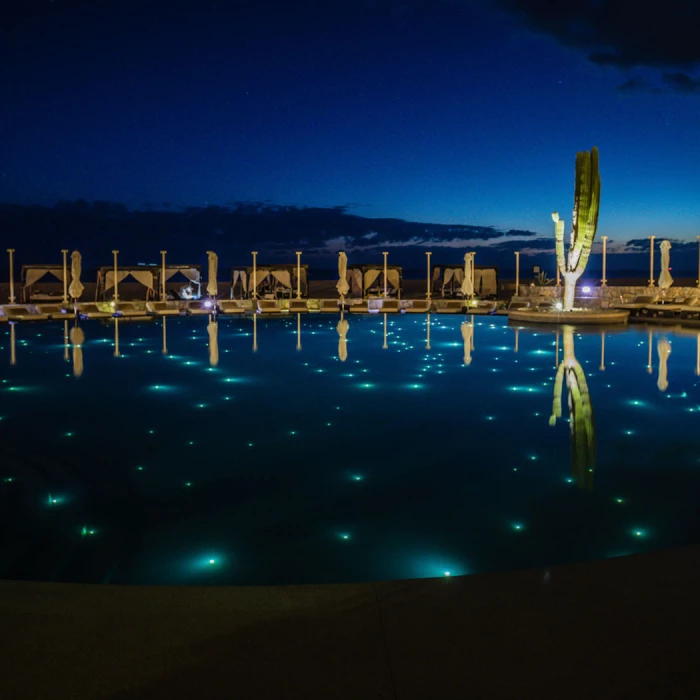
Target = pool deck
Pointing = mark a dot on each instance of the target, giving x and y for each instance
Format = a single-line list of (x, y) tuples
[(619, 628)]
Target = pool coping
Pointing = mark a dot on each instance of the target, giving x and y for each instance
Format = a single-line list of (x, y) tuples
[(622, 628)]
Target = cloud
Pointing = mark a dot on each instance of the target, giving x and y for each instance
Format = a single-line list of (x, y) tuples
[(633, 86), (626, 34), (681, 82)]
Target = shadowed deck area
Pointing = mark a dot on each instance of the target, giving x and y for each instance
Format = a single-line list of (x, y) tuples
[(620, 628)]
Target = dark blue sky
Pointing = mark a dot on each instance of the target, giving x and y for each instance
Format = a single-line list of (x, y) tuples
[(447, 112)]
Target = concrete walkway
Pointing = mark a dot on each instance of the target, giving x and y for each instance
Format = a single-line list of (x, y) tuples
[(623, 628)]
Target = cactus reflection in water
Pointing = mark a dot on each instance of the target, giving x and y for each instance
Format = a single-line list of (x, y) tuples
[(583, 444)]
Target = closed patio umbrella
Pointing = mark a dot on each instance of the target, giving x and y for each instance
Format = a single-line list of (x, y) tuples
[(76, 266), (212, 286), (342, 286), (213, 330), (467, 335), (663, 348), (665, 279), (468, 283), (77, 338), (342, 329)]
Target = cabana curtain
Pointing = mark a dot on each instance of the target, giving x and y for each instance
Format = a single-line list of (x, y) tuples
[(34, 274)]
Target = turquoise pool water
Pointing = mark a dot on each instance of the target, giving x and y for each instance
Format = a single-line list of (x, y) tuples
[(285, 464)]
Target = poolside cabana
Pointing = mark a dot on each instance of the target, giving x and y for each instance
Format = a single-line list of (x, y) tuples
[(31, 274), (446, 280), (146, 276), (239, 282), (191, 273), (277, 281), (368, 280)]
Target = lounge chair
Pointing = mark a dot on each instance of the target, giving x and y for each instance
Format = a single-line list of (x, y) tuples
[(390, 306), (330, 305), (52, 310), (232, 307), (130, 309), (691, 310), (359, 307), (94, 309), (519, 305), (163, 308), (670, 307), (482, 307), (23, 312), (298, 306), (638, 302), (417, 306), (269, 306), (200, 307), (450, 306)]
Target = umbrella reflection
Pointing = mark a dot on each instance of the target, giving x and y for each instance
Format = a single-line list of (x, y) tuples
[(663, 348), (583, 443), (342, 329), (468, 338), (213, 330), (77, 338)]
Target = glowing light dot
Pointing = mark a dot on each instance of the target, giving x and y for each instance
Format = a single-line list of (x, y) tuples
[(517, 526), (447, 573), (212, 561), (357, 477), (619, 500)]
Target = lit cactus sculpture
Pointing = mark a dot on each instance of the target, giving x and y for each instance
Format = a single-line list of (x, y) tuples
[(583, 443), (583, 225)]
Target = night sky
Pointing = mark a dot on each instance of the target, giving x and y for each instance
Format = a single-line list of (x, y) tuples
[(441, 112)]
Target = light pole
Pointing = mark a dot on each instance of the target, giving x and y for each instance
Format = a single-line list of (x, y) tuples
[(517, 273), (385, 273), (162, 274), (116, 287), (65, 276), (429, 271), (12, 276), (604, 281), (255, 276), (298, 275), (651, 260)]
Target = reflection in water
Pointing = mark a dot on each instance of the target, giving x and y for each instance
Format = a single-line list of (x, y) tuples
[(213, 331), (342, 329), (663, 348), (427, 338), (116, 337), (583, 445), (468, 339), (13, 355), (255, 332), (298, 331), (165, 338), (602, 352), (650, 367), (517, 333), (77, 338), (66, 357), (385, 346)]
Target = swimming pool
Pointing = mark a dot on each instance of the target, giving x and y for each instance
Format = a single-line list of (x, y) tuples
[(268, 460)]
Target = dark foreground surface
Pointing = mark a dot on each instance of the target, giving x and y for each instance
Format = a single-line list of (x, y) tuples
[(621, 628)]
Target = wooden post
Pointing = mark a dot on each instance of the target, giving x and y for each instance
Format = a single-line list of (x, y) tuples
[(517, 273), (116, 281), (604, 281), (255, 275), (430, 276), (651, 260), (162, 274), (12, 276), (298, 275), (65, 276), (385, 273)]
